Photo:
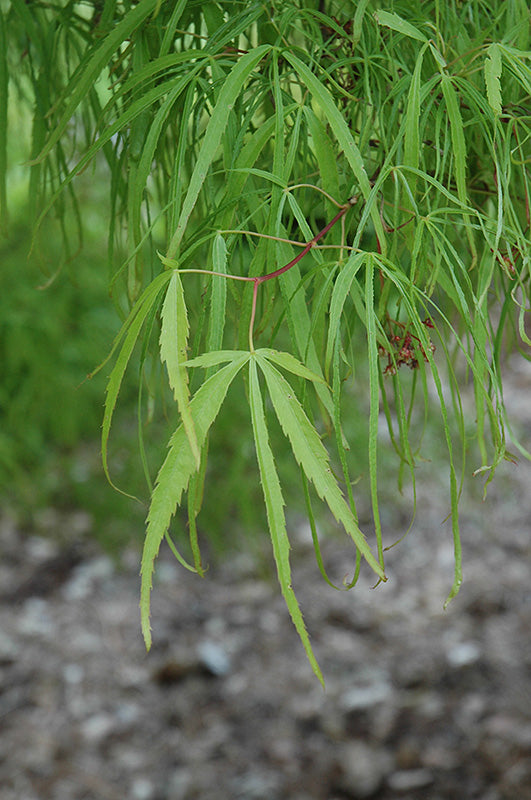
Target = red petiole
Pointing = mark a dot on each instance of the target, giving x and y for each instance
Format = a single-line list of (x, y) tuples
[(263, 278), (308, 247)]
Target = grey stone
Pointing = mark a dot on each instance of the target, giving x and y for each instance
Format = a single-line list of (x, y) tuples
[(37, 618), (213, 657), (142, 789), (97, 727), (9, 649), (257, 786), (463, 654), (359, 698), (362, 769), (179, 783), (409, 780), (86, 575)]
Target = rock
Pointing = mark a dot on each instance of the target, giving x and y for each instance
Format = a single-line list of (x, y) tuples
[(73, 674), (463, 654), (409, 780), (362, 769), (360, 698), (37, 619), (9, 649), (408, 753), (257, 785), (86, 576), (97, 727), (369, 708), (142, 789), (214, 658), (179, 783)]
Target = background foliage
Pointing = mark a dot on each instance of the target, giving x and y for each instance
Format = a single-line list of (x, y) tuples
[(230, 133)]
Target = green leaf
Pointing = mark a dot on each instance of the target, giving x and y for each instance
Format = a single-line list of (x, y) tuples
[(493, 71), (342, 133), (340, 293), (173, 346), (310, 453), (357, 24), (231, 89), (412, 136), (275, 512), (374, 397), (207, 360), (262, 173), (132, 326), (218, 297), (240, 173), (175, 474), (324, 153), (169, 33), (342, 447), (289, 362), (396, 23), (458, 136)]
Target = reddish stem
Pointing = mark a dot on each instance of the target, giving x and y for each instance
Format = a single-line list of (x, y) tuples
[(262, 278)]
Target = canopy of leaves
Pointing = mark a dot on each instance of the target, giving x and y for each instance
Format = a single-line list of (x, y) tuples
[(229, 134)]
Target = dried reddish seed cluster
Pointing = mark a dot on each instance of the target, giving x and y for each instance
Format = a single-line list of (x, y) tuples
[(406, 348)]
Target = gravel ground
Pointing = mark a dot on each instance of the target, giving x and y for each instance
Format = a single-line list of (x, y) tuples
[(419, 702)]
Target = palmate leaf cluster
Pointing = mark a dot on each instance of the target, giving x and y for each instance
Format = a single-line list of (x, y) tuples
[(229, 132)]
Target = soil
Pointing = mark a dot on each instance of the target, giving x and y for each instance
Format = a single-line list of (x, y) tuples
[(420, 702)]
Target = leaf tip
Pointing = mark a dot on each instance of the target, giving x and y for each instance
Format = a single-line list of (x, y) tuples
[(147, 638), (145, 622)]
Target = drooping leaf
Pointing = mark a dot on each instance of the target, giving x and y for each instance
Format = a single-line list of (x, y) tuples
[(240, 173), (374, 394), (174, 475), (218, 298), (207, 360), (275, 511), (311, 454), (412, 132), (341, 132), (132, 112), (397, 23), (342, 447), (457, 134), (173, 347), (357, 24), (169, 33), (493, 71), (324, 151), (132, 326), (290, 363), (231, 89), (337, 302)]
